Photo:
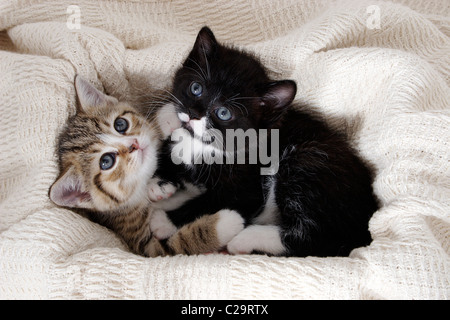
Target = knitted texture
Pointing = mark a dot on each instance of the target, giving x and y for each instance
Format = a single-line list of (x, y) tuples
[(378, 71)]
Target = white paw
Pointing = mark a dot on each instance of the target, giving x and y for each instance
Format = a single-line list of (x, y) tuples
[(257, 238), (158, 191), (168, 120), (161, 226), (229, 225)]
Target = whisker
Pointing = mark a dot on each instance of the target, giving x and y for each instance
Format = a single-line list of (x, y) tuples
[(201, 69), (208, 170), (218, 177), (231, 98), (243, 98), (176, 99), (198, 73), (240, 106), (207, 63)]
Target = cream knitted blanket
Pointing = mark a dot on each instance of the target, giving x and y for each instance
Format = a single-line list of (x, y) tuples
[(380, 71)]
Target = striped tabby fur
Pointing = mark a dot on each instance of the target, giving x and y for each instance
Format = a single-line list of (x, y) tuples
[(117, 197)]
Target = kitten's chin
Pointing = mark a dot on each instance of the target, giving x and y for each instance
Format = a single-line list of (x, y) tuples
[(206, 138)]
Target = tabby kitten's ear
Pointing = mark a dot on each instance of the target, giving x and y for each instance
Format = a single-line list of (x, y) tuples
[(68, 191), (89, 97), (205, 45)]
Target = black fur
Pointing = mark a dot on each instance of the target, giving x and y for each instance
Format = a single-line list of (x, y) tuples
[(322, 188)]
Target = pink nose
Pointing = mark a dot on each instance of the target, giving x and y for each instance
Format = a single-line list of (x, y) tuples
[(134, 146)]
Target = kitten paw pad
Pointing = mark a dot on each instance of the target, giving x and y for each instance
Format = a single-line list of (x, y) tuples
[(229, 225), (161, 226), (159, 190)]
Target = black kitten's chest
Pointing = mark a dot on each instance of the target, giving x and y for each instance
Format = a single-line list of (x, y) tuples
[(237, 187), (223, 175)]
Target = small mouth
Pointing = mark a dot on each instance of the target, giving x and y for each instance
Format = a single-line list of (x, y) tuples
[(187, 126), (210, 141), (205, 139)]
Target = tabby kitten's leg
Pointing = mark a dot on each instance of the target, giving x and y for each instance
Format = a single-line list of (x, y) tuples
[(208, 233)]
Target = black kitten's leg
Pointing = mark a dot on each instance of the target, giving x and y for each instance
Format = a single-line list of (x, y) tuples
[(258, 238), (303, 233), (169, 216), (246, 202), (295, 235), (307, 211), (323, 207), (192, 210)]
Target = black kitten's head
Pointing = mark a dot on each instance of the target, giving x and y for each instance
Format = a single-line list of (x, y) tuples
[(224, 88)]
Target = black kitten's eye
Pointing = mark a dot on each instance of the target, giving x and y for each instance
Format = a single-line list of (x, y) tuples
[(107, 161), (196, 89), (223, 114), (121, 125)]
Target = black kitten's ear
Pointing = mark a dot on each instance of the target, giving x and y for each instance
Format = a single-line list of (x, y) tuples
[(279, 94), (205, 43)]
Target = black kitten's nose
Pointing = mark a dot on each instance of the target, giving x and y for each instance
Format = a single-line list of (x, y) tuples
[(195, 112), (193, 116)]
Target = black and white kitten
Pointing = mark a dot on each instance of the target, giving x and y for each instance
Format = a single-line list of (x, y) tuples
[(319, 199)]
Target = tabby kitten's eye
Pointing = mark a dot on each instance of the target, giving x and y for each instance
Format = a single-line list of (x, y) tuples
[(196, 89), (121, 125), (107, 161), (223, 114)]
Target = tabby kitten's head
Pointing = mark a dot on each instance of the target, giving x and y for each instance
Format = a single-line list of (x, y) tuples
[(107, 153), (222, 88)]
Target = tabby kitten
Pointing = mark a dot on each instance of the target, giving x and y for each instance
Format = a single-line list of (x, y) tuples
[(107, 158), (319, 198)]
